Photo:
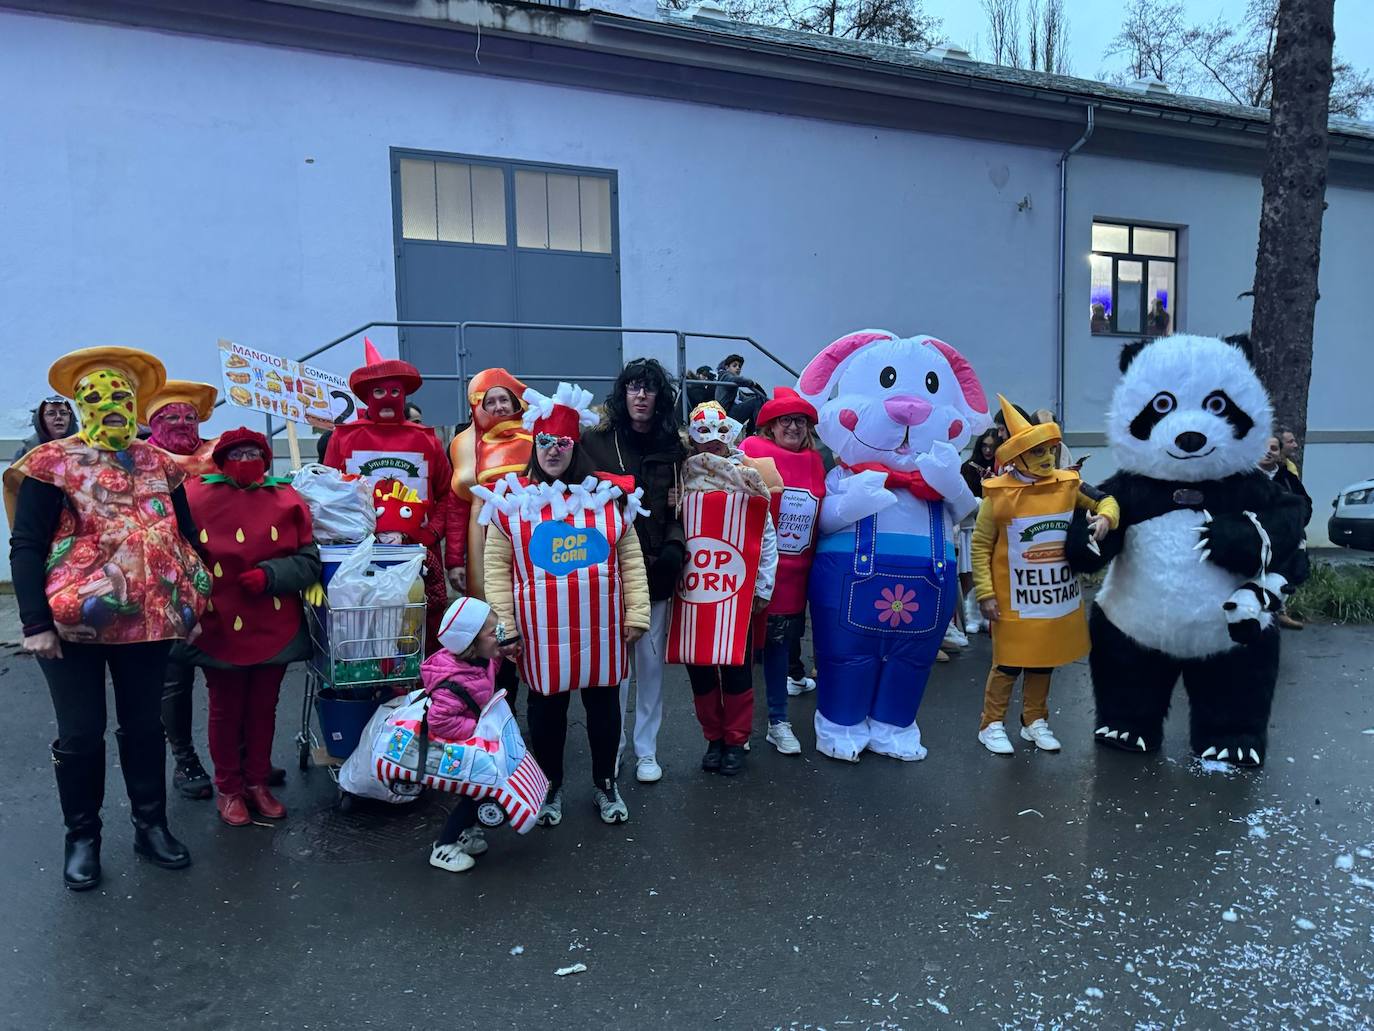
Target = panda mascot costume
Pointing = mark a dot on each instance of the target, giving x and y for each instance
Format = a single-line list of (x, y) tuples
[(1190, 588)]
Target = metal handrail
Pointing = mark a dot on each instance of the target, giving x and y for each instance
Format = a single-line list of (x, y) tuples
[(461, 330)]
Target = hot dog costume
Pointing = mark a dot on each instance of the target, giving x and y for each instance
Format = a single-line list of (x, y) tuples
[(383, 444), (884, 581), (1019, 559), (487, 450), (576, 576)]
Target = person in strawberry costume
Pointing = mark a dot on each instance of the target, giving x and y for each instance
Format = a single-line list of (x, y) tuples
[(383, 444), (175, 414), (258, 540), (107, 577)]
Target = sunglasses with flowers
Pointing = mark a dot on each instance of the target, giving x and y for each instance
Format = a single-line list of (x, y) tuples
[(550, 442)]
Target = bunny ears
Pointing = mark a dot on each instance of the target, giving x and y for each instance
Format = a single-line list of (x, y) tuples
[(562, 415), (818, 378)]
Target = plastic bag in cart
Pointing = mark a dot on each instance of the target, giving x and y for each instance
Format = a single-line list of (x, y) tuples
[(493, 763), (368, 605), (358, 775), (340, 505)]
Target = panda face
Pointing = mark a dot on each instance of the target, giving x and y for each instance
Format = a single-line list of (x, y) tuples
[(1188, 408)]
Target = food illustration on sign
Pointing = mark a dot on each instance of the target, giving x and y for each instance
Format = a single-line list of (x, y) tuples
[(234, 361), (240, 396)]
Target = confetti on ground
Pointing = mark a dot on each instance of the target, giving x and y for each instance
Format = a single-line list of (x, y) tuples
[(517, 950), (1230, 916), (1093, 993), (1345, 862), (576, 968)]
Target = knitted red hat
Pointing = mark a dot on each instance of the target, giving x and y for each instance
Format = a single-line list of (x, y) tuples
[(786, 401), (230, 439), (379, 368)]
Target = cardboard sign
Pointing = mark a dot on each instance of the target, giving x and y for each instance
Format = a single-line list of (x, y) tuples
[(283, 387)]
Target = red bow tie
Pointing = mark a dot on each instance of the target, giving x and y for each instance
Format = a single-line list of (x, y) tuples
[(912, 481)]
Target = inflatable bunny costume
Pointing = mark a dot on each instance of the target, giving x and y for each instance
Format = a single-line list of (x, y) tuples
[(884, 583)]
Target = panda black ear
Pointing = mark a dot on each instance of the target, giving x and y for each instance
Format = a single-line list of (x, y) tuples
[(1241, 342), (1129, 352)]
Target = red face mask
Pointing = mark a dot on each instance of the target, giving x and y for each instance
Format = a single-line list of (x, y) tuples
[(176, 428), (386, 401), (245, 471)]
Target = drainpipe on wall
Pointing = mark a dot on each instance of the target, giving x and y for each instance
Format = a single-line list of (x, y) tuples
[(1063, 271)]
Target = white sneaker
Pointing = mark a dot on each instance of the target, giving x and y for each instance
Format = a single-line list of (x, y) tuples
[(647, 770), (955, 638), (973, 615), (995, 740), (1039, 732), (473, 841), (780, 736), (800, 686), (551, 812), (451, 858)]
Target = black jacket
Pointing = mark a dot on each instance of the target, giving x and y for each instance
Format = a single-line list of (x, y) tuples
[(654, 464)]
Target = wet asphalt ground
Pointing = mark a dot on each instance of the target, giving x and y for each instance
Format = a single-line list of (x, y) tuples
[(1086, 889)]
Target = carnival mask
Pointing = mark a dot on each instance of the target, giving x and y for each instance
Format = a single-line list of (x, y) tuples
[(176, 428), (386, 401), (709, 423), (106, 401)]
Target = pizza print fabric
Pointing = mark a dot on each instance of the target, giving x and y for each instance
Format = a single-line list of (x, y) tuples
[(119, 571)]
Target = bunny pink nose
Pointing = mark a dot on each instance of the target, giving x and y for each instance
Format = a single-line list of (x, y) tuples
[(908, 410)]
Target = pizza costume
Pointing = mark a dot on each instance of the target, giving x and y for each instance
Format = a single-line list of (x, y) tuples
[(174, 414), (101, 555), (1019, 560), (732, 561), (256, 533), (795, 512), (382, 444), (564, 569)]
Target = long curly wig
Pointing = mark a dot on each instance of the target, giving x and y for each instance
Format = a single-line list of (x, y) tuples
[(667, 418)]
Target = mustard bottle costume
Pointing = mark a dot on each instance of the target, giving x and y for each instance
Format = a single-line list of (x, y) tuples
[(1019, 559)]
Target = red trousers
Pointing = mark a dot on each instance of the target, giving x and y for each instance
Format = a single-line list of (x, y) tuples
[(724, 701), (243, 717)]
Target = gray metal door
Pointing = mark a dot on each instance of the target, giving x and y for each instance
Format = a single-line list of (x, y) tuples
[(501, 241)]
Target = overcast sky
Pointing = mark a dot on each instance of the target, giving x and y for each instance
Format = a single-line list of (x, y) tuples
[(1092, 24)]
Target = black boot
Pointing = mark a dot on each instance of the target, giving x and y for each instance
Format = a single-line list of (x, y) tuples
[(189, 776), (732, 762), (143, 758), (81, 788), (710, 762)]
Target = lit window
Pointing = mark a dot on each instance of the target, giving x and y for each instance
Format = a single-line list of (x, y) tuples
[(1133, 279)]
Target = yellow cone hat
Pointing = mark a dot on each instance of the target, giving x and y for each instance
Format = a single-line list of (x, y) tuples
[(1022, 434)]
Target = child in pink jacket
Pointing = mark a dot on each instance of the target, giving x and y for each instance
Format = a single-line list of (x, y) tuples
[(460, 678)]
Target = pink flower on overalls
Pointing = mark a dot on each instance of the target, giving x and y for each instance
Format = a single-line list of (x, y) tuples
[(896, 605)]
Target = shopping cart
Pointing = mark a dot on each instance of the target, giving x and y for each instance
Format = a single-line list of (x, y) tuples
[(360, 656)]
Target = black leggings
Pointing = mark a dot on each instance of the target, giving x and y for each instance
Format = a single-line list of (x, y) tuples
[(464, 815), (178, 690), (548, 716), (77, 685)]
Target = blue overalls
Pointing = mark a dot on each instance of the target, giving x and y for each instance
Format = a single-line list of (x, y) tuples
[(880, 605)]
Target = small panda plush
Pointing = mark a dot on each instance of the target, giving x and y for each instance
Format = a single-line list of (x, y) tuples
[(1200, 523), (1250, 610)]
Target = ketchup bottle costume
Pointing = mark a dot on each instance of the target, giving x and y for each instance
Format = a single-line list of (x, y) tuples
[(382, 444)]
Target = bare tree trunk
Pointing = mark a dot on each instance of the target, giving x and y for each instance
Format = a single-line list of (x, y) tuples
[(1290, 231)]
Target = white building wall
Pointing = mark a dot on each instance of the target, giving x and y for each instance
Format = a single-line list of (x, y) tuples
[(164, 191)]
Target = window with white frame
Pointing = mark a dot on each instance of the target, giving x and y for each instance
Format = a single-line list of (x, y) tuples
[(1134, 279)]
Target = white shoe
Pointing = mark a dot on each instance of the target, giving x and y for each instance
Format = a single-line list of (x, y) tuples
[(780, 736), (800, 686), (647, 770), (473, 841), (995, 740), (973, 626), (1039, 732), (973, 615), (451, 858), (954, 638)]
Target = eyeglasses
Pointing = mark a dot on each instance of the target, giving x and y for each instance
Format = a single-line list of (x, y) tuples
[(793, 422), (640, 387), (549, 442)]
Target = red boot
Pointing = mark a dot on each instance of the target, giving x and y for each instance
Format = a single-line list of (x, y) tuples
[(263, 803), (233, 810)]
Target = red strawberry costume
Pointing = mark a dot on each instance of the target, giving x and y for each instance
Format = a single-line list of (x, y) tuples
[(256, 533)]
